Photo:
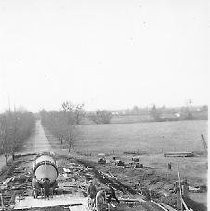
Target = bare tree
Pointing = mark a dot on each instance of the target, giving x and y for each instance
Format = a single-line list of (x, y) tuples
[(4, 136), (67, 106), (63, 124), (79, 113), (74, 111), (71, 136), (71, 115), (154, 113), (101, 117), (15, 127)]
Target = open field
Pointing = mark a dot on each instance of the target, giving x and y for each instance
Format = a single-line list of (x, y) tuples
[(152, 137), (151, 140)]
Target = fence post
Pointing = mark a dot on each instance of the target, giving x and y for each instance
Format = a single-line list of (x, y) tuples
[(1, 201), (180, 190)]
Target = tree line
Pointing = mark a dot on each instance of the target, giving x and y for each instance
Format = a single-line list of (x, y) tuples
[(101, 117), (15, 128), (63, 124)]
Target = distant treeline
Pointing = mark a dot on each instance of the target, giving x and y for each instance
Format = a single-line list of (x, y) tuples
[(177, 114), (15, 128), (135, 110), (163, 113), (146, 114), (79, 116)]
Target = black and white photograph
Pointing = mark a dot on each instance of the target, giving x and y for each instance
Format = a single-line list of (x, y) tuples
[(104, 105)]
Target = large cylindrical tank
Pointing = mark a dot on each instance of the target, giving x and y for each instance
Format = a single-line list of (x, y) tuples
[(44, 166)]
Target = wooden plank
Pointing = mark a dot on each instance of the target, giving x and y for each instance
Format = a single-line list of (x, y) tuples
[(57, 200), (178, 154)]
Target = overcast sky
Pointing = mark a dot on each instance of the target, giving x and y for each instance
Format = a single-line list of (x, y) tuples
[(108, 54)]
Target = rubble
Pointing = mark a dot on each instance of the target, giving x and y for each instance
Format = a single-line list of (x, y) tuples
[(131, 185)]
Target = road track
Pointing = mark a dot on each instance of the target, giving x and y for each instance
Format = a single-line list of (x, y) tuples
[(38, 141)]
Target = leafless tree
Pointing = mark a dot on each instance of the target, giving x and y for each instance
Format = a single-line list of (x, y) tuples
[(75, 111), (71, 136), (15, 127), (101, 117), (154, 113), (63, 124), (4, 136)]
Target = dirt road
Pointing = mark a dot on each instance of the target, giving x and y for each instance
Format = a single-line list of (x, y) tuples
[(37, 142)]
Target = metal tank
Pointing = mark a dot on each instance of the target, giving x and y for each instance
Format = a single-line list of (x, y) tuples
[(44, 166)]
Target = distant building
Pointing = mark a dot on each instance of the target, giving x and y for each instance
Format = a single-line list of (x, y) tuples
[(115, 113)]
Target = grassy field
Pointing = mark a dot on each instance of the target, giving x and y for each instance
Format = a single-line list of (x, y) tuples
[(153, 137)]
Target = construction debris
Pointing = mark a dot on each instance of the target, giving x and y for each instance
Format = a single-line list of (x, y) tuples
[(179, 154), (73, 177)]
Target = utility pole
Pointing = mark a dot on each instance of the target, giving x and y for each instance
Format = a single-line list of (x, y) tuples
[(189, 109)]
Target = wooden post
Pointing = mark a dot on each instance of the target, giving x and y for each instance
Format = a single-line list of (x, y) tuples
[(180, 190), (1, 202)]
